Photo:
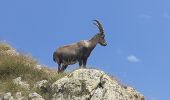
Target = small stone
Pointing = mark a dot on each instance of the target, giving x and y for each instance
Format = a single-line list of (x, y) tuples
[(7, 96), (39, 84), (35, 96), (19, 96)]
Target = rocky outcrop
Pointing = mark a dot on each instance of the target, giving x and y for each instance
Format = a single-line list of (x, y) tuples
[(91, 84), (24, 85)]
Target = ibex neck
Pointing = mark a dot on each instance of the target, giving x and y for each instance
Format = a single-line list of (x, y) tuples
[(93, 41)]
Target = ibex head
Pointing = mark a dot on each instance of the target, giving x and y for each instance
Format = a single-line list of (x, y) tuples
[(101, 34)]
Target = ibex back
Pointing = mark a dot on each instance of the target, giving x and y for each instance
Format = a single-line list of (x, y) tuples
[(80, 51)]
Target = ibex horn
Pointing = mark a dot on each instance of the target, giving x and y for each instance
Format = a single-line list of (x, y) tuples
[(99, 25)]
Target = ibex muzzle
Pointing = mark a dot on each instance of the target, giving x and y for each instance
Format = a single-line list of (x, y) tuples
[(80, 51)]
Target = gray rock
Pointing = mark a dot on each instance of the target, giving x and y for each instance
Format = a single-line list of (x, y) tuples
[(91, 84), (35, 96), (40, 84), (18, 81), (19, 96), (8, 96)]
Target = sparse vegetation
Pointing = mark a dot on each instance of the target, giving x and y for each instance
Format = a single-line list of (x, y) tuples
[(4, 46), (24, 66)]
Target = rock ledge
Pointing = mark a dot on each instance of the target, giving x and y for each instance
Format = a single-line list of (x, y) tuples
[(92, 84)]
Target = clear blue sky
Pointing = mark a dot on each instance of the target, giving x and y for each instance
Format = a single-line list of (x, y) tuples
[(137, 32)]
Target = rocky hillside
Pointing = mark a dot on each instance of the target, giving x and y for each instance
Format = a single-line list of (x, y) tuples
[(82, 84), (22, 78)]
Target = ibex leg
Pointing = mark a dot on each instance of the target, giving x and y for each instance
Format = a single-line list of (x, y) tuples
[(59, 66), (80, 63), (63, 68), (84, 62)]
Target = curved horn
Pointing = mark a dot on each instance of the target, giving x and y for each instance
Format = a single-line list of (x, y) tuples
[(99, 25)]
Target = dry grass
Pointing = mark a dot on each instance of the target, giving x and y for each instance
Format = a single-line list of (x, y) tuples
[(4, 46), (22, 65)]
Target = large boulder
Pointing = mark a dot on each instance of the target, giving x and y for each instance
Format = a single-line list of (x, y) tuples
[(92, 84)]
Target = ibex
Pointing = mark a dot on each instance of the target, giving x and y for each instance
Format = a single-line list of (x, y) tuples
[(80, 51)]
